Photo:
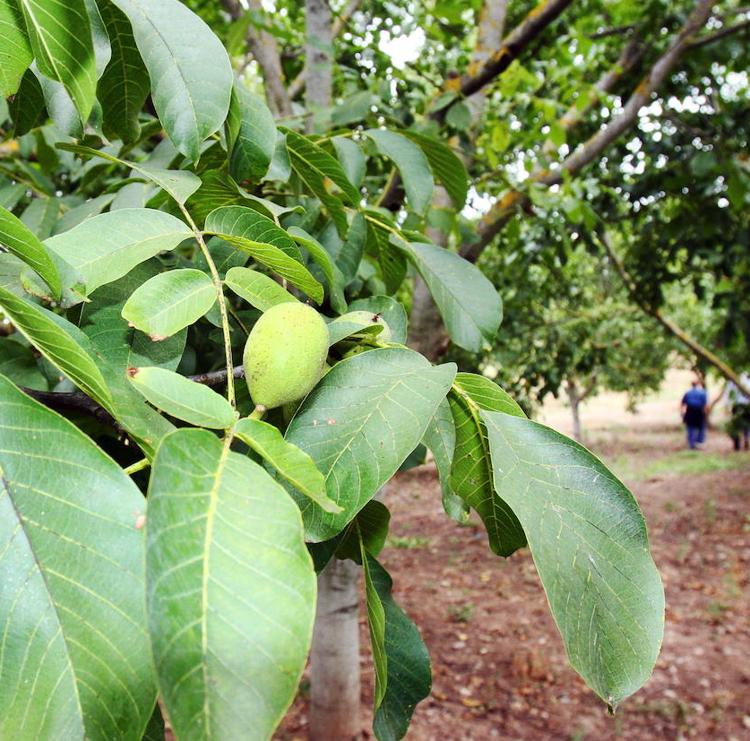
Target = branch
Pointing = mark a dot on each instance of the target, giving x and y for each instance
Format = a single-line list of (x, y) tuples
[(298, 83), (217, 377), (720, 34), (614, 31), (672, 328), (631, 54), (535, 22), (589, 389), (265, 51), (505, 207), (489, 37), (73, 401)]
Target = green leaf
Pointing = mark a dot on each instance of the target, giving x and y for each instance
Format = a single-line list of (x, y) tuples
[(281, 167), (27, 106), (217, 189), (446, 166), (253, 135), (352, 159), (10, 274), (61, 107), (256, 288), (348, 324), (15, 52), (182, 398), (347, 254), (21, 241), (40, 216), (121, 345), (17, 362), (411, 163), (108, 246), (248, 223), (55, 338), (191, 77), (391, 311), (409, 676), (360, 423), (316, 168), (353, 108), (471, 472), (78, 214), (487, 394), (392, 262), (76, 660), (231, 589), (60, 36), (376, 624), (99, 37), (290, 462), (369, 527), (180, 184), (589, 543), (312, 161), (440, 438), (267, 243), (330, 270), (459, 116), (170, 301), (115, 347), (467, 301), (125, 85)]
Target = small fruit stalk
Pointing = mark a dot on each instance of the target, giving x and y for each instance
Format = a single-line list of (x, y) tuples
[(285, 354)]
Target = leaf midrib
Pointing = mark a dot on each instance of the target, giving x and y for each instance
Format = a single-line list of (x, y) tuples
[(210, 517)]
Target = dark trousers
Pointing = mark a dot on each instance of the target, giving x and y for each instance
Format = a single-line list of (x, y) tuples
[(695, 435)]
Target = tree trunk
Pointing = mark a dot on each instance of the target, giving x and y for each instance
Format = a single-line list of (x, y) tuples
[(334, 661), (265, 51), (318, 64), (574, 399)]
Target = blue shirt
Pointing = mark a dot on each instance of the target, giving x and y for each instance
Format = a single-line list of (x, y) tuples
[(697, 398)]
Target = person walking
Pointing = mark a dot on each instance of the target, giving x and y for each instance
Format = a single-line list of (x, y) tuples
[(694, 411)]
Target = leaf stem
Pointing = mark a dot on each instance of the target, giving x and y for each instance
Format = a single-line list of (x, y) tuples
[(220, 296), (137, 466)]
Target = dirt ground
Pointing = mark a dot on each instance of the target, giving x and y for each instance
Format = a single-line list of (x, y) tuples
[(499, 667)]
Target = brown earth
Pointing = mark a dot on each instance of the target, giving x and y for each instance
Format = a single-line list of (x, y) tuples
[(499, 667)]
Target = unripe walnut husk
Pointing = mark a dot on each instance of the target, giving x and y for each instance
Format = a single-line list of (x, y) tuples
[(285, 354)]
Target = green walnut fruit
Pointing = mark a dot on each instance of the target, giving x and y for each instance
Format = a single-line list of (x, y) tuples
[(285, 354), (366, 318)]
